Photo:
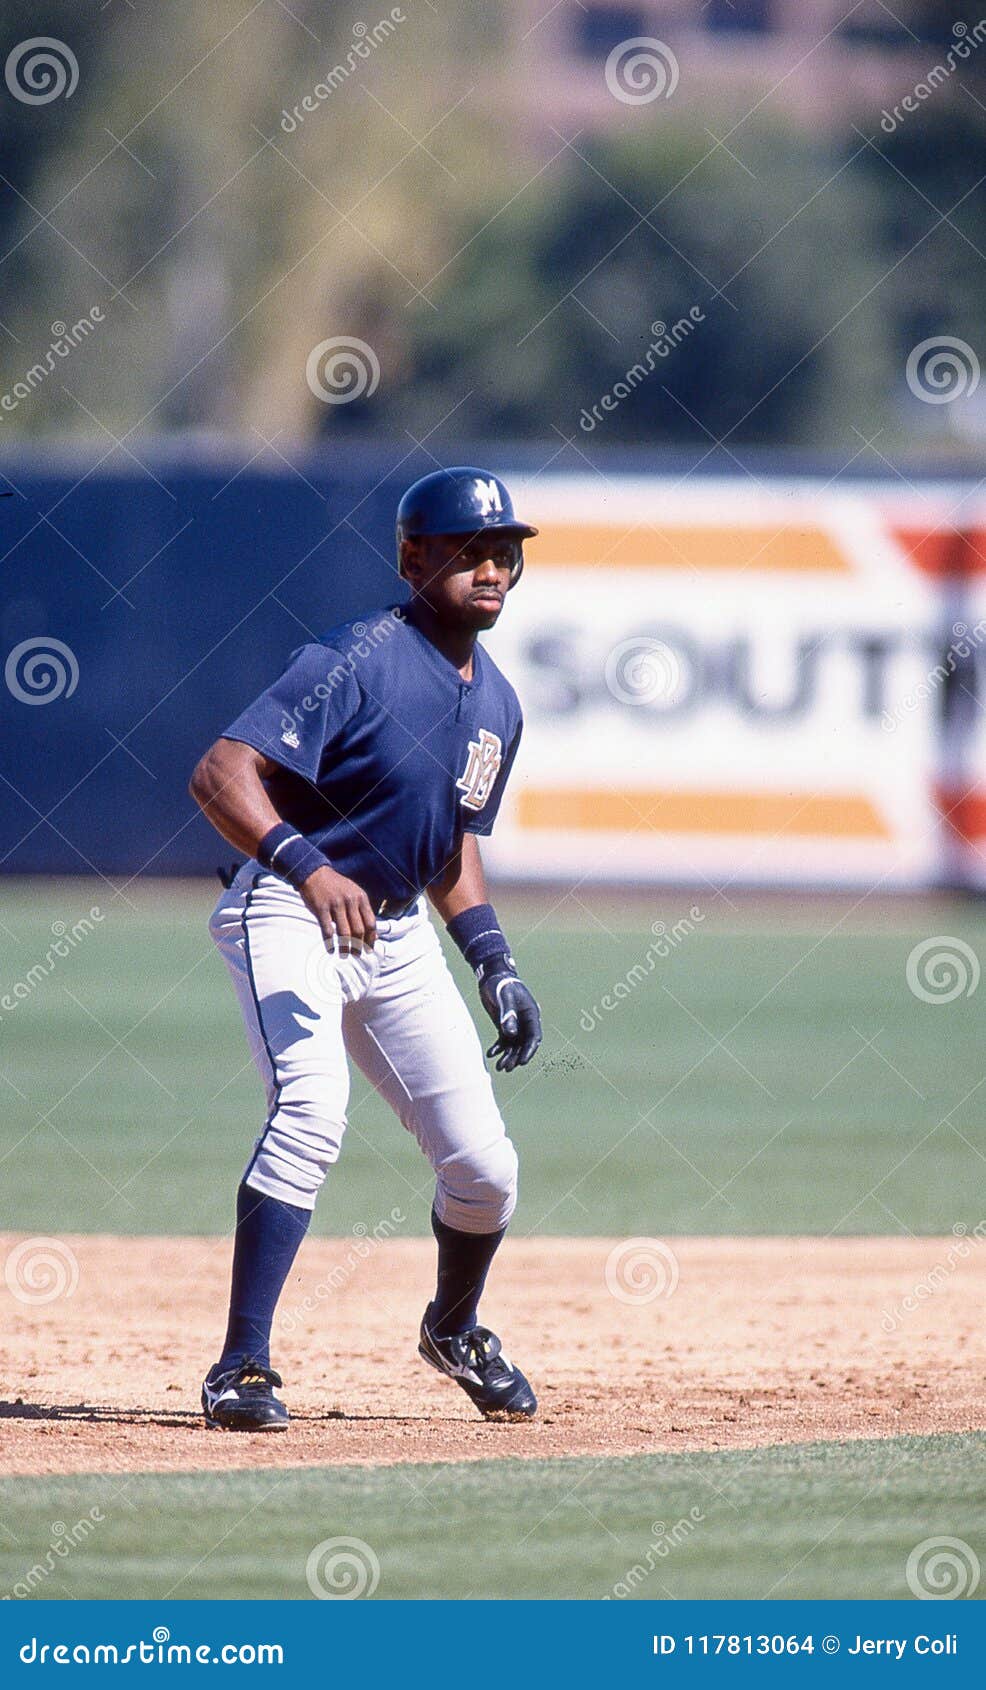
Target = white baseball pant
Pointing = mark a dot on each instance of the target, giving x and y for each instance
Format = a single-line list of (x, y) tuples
[(398, 1013)]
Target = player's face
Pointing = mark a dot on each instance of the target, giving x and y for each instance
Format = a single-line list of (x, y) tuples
[(463, 580)]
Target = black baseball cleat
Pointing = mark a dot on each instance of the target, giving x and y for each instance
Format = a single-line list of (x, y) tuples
[(242, 1399), (475, 1360)]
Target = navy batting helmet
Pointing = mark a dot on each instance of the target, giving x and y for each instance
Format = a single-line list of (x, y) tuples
[(461, 500)]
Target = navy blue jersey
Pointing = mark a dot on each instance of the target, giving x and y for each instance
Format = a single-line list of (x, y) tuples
[(387, 756)]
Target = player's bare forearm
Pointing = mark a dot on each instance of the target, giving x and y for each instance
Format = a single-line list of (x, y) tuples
[(228, 785), (460, 892), (462, 885)]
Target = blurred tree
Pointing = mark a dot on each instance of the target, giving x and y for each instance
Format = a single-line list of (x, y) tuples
[(931, 237), (32, 134), (549, 304), (234, 184)]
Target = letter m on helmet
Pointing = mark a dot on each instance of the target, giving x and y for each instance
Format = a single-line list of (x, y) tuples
[(487, 494)]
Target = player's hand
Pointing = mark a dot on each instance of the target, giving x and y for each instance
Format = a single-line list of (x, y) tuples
[(342, 910), (514, 1012)]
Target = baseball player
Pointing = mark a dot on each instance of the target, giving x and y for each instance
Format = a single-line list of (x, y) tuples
[(358, 784)]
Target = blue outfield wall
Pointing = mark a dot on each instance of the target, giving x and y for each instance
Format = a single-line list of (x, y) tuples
[(180, 575), (180, 593)]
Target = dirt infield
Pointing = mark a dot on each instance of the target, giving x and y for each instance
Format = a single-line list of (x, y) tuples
[(697, 1345)]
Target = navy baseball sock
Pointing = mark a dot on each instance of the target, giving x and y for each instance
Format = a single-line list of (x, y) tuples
[(463, 1262), (268, 1234)]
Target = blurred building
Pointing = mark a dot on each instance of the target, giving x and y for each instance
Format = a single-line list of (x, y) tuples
[(821, 62)]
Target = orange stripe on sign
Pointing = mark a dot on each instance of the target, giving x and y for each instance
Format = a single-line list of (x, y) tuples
[(644, 810), (562, 545)]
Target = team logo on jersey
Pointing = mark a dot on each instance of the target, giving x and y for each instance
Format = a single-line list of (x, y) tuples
[(483, 765)]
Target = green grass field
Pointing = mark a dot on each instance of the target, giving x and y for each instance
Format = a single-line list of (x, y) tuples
[(808, 1520), (773, 1073)]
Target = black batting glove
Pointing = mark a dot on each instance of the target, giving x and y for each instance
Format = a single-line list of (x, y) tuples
[(513, 1010)]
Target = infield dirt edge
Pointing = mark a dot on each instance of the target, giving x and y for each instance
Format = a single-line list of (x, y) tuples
[(681, 1344)]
